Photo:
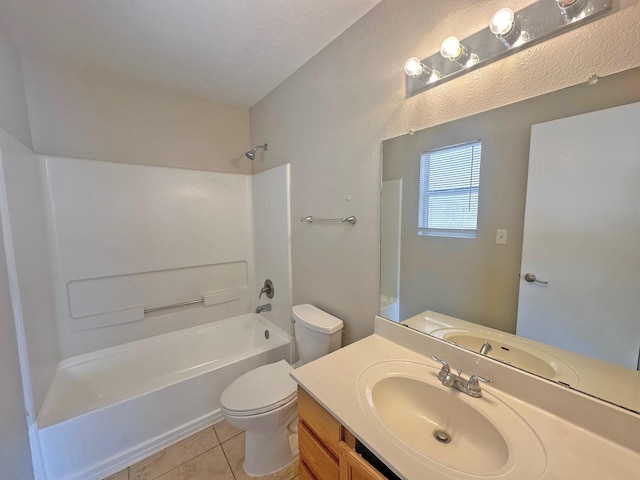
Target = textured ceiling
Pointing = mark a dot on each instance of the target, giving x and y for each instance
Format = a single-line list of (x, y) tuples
[(233, 51)]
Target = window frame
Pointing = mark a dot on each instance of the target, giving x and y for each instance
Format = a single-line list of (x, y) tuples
[(425, 194)]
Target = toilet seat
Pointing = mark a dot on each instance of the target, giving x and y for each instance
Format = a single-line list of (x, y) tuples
[(261, 390)]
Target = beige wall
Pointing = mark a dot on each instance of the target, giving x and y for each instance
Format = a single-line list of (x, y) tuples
[(15, 456), (83, 113), (329, 118)]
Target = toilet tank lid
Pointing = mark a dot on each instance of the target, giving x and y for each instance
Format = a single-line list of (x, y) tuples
[(316, 319)]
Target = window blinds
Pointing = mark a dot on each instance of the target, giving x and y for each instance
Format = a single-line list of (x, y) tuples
[(449, 183)]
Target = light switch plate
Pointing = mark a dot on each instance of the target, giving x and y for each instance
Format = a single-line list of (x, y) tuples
[(501, 237)]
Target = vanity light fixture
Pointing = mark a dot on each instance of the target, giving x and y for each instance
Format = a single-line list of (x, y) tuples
[(506, 27), (452, 49), (507, 33), (416, 69), (573, 10)]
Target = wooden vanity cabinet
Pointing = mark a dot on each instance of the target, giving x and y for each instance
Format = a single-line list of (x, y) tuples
[(354, 467), (327, 449)]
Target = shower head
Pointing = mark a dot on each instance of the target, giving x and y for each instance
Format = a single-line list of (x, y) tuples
[(251, 154)]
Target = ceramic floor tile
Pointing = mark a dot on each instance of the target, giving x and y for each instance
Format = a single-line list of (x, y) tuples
[(211, 465), (173, 456), (289, 472), (121, 475), (234, 450), (225, 430)]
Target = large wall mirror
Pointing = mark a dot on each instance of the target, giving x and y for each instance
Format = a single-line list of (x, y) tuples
[(558, 198)]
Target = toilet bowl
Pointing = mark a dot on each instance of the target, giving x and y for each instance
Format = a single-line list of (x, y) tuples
[(263, 402)]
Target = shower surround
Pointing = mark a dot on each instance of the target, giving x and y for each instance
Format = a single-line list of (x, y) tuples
[(97, 246)]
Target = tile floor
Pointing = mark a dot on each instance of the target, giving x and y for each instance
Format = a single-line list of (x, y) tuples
[(215, 453)]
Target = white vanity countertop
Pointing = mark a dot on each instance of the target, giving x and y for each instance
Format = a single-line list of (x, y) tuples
[(572, 452)]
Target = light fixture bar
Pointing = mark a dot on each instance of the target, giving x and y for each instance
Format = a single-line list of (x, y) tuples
[(539, 21)]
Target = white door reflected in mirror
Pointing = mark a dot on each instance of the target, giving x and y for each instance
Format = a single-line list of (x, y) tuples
[(587, 243)]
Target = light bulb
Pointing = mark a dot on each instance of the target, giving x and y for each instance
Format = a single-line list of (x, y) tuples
[(416, 69), (451, 48), (413, 67), (506, 27), (502, 22)]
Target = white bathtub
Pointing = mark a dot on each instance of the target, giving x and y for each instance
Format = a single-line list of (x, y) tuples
[(109, 408)]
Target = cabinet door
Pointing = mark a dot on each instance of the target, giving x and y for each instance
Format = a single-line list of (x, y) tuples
[(319, 422), (305, 473), (315, 457), (354, 467)]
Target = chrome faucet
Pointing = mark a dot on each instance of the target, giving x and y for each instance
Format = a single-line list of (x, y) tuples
[(263, 308), (485, 348), (470, 387)]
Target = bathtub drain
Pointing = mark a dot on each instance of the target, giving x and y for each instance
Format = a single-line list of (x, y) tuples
[(441, 436)]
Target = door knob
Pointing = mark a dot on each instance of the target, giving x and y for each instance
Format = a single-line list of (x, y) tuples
[(530, 277)]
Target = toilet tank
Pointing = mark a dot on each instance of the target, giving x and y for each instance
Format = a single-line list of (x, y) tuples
[(316, 332)]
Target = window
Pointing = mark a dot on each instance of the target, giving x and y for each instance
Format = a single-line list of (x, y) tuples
[(449, 183)]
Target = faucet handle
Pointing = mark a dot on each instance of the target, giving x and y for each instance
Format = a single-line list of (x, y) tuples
[(445, 365), (473, 381), (267, 288)]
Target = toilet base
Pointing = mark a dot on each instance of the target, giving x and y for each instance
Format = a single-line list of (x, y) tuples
[(267, 451)]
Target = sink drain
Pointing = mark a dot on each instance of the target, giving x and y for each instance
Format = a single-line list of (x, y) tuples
[(441, 436)]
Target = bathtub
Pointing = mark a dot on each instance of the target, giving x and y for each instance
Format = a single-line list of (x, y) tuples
[(110, 408)]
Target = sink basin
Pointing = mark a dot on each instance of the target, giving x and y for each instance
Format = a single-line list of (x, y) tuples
[(507, 348), (446, 429), (505, 353), (439, 424), (512, 351)]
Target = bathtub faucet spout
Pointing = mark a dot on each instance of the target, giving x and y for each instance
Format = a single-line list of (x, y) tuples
[(263, 308)]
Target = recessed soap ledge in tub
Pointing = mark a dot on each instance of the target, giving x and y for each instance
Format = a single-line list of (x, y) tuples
[(575, 433)]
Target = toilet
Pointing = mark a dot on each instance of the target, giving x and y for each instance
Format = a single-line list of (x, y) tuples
[(263, 401)]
